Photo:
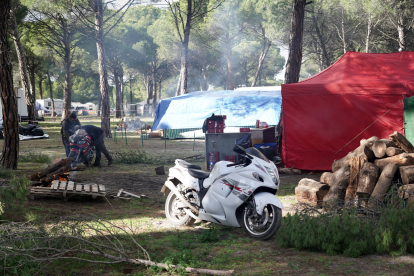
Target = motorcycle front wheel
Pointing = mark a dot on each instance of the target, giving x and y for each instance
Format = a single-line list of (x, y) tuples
[(261, 227), (176, 216)]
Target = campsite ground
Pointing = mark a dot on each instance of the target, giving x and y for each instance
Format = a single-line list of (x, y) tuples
[(203, 245)]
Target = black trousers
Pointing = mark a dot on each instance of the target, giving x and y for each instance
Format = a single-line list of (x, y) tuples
[(66, 144), (100, 148)]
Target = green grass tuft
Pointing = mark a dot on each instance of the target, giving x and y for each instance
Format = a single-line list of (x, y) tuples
[(34, 157)]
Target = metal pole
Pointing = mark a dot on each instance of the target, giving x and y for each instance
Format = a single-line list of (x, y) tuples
[(122, 133), (194, 141), (142, 138), (164, 132), (126, 141)]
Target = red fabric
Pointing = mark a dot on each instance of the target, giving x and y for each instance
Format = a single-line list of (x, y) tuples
[(325, 112)]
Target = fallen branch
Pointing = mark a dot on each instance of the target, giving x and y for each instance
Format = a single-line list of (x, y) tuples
[(75, 238)]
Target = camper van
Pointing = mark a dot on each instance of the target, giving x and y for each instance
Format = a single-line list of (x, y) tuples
[(21, 104), (84, 109), (46, 105)]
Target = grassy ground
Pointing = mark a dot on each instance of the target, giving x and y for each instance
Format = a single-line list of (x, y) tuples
[(203, 245)]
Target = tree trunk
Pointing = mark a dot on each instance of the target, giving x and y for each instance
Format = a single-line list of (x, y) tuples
[(368, 33), (403, 159), (402, 142), (103, 74), (384, 181), (367, 179), (401, 31), (159, 97), (22, 68), (121, 81), (339, 185), (265, 49), (130, 89), (177, 91), (118, 101), (100, 105), (311, 192), (51, 95), (295, 41), (40, 88), (184, 45), (229, 55), (407, 174), (327, 178), (67, 92), (8, 96), (154, 84), (391, 151), (379, 148), (49, 169), (363, 150), (321, 42)]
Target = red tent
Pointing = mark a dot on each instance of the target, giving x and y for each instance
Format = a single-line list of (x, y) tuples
[(359, 96)]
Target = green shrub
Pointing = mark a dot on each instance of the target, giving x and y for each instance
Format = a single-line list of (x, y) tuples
[(34, 157), (389, 230), (133, 157), (210, 235), (6, 173), (17, 191)]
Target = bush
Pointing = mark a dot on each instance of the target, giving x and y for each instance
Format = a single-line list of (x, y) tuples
[(17, 191), (33, 157), (389, 230), (133, 157)]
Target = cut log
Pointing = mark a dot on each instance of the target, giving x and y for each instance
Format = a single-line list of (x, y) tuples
[(38, 175), (379, 147), (367, 179), (391, 151), (311, 192), (403, 159), (160, 170), (407, 191), (407, 174), (327, 178), (365, 149), (384, 181), (50, 177), (402, 142), (339, 185), (289, 171), (356, 166)]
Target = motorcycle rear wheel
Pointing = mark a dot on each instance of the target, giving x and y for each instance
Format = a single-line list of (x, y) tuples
[(174, 215), (264, 227)]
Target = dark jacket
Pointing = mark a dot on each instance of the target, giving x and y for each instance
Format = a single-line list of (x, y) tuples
[(68, 128), (93, 131)]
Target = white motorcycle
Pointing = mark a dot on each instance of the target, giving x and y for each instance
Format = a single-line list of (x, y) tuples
[(240, 194)]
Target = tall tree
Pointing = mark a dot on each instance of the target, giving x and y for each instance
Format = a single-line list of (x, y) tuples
[(60, 32), (83, 9), (295, 41), (8, 96), (29, 97), (185, 14)]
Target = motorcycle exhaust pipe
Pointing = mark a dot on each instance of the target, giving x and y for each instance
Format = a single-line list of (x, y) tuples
[(172, 187)]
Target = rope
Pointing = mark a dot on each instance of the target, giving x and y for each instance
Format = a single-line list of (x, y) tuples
[(355, 137)]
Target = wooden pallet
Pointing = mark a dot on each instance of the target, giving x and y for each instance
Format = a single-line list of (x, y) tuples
[(67, 189)]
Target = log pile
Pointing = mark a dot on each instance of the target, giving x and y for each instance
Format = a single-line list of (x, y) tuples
[(48, 174), (367, 172)]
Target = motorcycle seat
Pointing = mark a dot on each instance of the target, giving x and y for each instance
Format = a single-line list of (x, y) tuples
[(198, 173), (187, 165)]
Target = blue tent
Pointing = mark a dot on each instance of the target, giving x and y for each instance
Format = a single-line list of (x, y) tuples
[(242, 107)]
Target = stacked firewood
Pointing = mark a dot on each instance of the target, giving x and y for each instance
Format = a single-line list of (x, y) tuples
[(48, 174), (367, 172)]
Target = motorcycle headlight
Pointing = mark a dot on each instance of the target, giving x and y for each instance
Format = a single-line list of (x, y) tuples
[(273, 175)]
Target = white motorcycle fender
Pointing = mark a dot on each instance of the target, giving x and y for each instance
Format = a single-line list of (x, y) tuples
[(175, 172), (262, 199)]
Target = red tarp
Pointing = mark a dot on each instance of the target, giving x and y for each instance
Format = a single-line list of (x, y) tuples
[(325, 112)]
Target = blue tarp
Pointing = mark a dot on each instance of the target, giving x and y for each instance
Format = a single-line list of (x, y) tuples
[(242, 107)]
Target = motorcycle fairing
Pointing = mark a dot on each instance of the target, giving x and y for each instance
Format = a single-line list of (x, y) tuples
[(187, 180)]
